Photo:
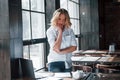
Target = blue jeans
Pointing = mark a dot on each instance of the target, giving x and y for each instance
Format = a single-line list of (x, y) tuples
[(58, 66)]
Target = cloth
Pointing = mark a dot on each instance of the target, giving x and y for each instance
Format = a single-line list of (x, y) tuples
[(68, 39)]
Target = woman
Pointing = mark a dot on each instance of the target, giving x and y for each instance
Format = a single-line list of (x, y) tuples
[(62, 42)]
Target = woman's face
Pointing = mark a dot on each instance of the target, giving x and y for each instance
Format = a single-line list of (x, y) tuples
[(61, 20)]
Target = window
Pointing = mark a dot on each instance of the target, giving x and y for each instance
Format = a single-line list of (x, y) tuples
[(34, 37), (73, 8)]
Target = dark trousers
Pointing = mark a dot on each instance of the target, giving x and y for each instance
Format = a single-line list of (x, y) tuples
[(58, 67)]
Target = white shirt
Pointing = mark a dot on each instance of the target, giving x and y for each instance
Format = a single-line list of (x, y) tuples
[(68, 39)]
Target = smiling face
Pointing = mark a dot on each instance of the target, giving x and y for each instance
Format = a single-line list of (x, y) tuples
[(61, 20)]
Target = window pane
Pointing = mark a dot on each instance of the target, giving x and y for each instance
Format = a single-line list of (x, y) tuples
[(25, 4), (26, 25), (37, 55), (77, 11), (63, 4), (74, 10), (37, 5), (77, 39), (38, 25), (33, 28), (26, 52), (74, 1), (75, 26)]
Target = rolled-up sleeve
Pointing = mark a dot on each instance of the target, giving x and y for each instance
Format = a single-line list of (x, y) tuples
[(51, 37), (73, 41)]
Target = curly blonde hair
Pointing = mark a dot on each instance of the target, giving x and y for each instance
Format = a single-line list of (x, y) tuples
[(56, 15)]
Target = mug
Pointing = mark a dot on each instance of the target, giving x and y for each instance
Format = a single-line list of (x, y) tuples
[(111, 48)]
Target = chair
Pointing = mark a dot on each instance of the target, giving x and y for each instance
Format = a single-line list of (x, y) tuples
[(108, 68), (23, 68), (82, 67)]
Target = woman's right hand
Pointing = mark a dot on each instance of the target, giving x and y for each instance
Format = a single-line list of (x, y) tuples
[(58, 40), (60, 29)]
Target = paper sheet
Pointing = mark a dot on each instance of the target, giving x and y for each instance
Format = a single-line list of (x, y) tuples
[(43, 74), (90, 59), (50, 78), (77, 58), (62, 75), (104, 59), (104, 52), (89, 51)]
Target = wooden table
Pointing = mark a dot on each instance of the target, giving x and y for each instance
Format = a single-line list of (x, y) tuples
[(101, 59), (86, 60), (101, 76), (95, 52), (96, 56), (91, 76)]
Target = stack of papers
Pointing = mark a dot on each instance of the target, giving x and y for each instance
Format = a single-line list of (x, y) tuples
[(90, 59), (85, 58), (43, 74), (89, 51), (77, 51), (104, 59), (57, 76), (62, 75), (50, 78), (102, 52), (77, 58)]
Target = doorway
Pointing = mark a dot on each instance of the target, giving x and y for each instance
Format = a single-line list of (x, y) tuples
[(109, 23)]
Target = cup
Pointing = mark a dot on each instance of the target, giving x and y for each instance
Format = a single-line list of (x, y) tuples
[(111, 48)]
